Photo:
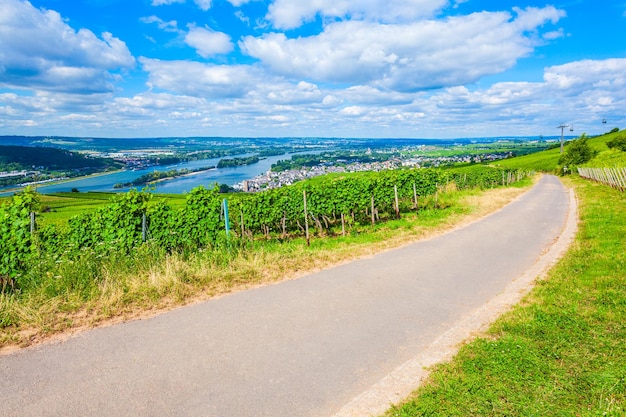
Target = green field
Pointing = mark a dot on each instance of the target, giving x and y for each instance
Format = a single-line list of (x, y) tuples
[(58, 208), (502, 146)]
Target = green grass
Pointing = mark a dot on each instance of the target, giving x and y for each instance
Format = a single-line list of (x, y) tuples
[(606, 158), (63, 294), (562, 351), (544, 161), (58, 208)]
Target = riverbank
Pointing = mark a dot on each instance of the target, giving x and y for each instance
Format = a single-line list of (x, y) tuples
[(65, 180)]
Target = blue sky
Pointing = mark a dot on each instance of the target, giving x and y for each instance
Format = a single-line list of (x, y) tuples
[(315, 68)]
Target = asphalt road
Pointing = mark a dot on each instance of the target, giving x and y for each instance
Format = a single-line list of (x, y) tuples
[(299, 348)]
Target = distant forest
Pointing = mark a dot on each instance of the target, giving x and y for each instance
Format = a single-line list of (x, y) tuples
[(17, 158)]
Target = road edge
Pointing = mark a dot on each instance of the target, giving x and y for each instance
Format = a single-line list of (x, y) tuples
[(398, 385)]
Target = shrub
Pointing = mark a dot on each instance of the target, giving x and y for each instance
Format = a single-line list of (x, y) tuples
[(578, 152), (619, 142)]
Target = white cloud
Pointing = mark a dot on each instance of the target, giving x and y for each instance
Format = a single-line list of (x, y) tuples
[(301, 93), (203, 99), (39, 50), (201, 80), (581, 92), (353, 111), (171, 26), (165, 2), (459, 2), (405, 57), (289, 14), (362, 94), (208, 42), (202, 4), (238, 3), (151, 104), (241, 16), (582, 75), (556, 34)]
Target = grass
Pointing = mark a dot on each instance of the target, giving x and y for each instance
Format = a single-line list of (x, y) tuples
[(606, 158), (58, 208), (63, 296), (562, 351), (544, 161)]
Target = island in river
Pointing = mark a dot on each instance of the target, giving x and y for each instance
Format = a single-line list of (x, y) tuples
[(157, 176)]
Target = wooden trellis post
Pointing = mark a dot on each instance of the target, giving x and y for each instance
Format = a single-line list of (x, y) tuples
[(306, 220), (397, 207)]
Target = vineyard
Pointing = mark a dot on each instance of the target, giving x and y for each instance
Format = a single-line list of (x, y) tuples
[(208, 221)]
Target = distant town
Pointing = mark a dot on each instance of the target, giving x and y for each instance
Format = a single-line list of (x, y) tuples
[(272, 179)]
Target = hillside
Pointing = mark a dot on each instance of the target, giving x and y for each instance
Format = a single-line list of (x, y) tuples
[(16, 158), (548, 160), (607, 157)]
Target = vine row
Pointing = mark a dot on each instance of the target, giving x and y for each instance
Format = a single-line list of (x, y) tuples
[(132, 218)]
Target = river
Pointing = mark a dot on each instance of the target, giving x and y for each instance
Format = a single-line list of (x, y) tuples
[(179, 185)]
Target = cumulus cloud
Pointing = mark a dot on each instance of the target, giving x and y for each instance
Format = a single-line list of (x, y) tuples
[(405, 57), (581, 92), (38, 49), (201, 80), (302, 93), (289, 14), (582, 75), (208, 42)]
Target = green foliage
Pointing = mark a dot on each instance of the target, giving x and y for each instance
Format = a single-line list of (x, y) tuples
[(157, 175), (122, 225), (618, 142), (199, 222), (234, 162), (576, 153), (15, 237), (117, 225), (23, 157)]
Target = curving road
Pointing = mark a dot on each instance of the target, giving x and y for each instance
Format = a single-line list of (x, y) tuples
[(304, 347)]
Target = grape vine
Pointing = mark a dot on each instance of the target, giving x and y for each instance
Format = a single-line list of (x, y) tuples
[(136, 216)]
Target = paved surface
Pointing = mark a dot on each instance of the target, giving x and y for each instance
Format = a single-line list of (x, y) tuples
[(300, 348)]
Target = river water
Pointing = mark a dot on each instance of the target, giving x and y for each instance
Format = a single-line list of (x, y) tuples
[(180, 185)]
